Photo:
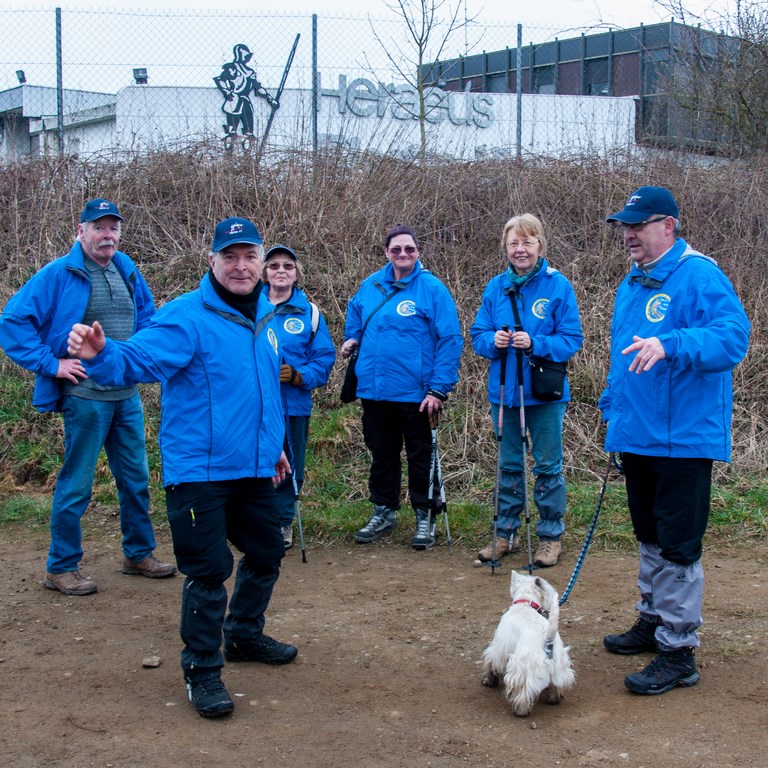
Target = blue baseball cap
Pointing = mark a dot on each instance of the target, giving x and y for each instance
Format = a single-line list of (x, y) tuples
[(280, 249), (97, 209), (646, 202), (235, 230)]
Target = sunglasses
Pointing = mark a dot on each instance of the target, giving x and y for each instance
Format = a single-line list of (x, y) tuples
[(396, 250), (288, 266)]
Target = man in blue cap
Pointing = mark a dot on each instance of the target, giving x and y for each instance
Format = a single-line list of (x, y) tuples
[(94, 281), (221, 436), (677, 333)]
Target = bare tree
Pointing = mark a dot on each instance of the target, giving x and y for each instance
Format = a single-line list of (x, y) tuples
[(717, 83), (429, 24)]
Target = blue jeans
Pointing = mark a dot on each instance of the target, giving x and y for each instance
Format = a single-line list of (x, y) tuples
[(296, 451), (544, 424), (118, 426)]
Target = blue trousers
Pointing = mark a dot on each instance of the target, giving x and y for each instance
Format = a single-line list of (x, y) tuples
[(544, 424), (203, 518), (296, 451), (118, 426)]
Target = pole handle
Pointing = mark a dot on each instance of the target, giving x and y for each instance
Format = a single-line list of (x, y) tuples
[(503, 353)]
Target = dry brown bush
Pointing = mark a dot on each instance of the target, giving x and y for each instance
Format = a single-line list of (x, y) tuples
[(335, 208)]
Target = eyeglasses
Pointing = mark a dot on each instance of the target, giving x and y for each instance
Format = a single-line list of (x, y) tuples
[(288, 266), (396, 250), (640, 225), (525, 243)]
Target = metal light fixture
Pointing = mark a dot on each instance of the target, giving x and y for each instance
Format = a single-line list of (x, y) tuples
[(140, 75), (22, 78)]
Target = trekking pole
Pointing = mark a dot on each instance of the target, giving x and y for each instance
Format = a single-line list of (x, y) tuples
[(590, 531), (494, 563), (524, 441), (436, 478), (296, 505)]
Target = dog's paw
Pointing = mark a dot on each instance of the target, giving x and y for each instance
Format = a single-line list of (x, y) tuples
[(490, 680), (551, 696), (523, 712)]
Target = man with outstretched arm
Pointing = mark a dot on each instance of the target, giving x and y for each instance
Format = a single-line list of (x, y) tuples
[(678, 330), (221, 438), (94, 281)]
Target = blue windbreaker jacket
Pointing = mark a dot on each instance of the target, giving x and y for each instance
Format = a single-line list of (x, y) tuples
[(222, 418), (550, 316), (311, 355), (38, 318), (412, 344), (681, 408)]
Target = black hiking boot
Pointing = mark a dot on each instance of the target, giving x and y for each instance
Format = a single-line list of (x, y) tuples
[(265, 649), (207, 692), (426, 527), (641, 638), (667, 671)]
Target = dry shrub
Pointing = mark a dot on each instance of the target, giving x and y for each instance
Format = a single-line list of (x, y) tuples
[(334, 209)]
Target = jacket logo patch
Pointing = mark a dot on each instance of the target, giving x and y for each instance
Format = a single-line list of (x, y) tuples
[(657, 307), (272, 339), (293, 325), (539, 308), (406, 308)]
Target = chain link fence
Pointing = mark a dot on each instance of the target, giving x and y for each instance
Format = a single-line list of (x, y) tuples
[(106, 81)]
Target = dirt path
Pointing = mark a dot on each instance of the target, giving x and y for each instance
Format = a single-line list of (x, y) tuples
[(387, 675)]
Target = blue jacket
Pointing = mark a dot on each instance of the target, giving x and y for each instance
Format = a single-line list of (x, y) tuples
[(681, 407), (37, 320), (312, 355), (412, 344), (222, 418), (549, 315)]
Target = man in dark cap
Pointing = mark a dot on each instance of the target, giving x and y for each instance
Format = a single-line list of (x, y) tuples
[(94, 281), (678, 331), (217, 356)]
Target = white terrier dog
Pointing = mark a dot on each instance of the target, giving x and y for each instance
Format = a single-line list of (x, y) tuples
[(526, 650)]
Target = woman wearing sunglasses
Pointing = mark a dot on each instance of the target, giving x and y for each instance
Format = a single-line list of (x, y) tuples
[(308, 356), (404, 323)]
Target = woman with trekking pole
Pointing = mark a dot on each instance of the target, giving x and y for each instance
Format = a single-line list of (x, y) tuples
[(404, 327), (308, 357), (530, 309)]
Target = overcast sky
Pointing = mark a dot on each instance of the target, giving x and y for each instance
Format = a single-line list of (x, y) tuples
[(565, 13)]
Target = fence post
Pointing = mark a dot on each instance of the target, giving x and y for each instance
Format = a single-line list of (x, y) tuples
[(519, 86), (315, 83), (59, 86)]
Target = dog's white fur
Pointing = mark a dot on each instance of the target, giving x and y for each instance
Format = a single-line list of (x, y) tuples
[(518, 652)]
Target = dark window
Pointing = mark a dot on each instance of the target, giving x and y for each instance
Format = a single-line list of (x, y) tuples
[(544, 79), (497, 84), (596, 81)]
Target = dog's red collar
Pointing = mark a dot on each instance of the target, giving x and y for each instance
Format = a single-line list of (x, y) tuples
[(536, 607)]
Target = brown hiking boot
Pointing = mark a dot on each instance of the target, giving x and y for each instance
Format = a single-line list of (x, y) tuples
[(547, 554), (503, 547), (150, 567), (70, 583)]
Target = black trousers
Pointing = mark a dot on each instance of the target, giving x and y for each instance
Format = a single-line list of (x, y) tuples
[(203, 518), (669, 502), (386, 427)]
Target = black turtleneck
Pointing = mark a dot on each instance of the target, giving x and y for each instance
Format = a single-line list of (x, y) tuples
[(246, 304)]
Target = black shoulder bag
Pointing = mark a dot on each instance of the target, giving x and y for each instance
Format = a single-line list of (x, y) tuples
[(349, 387), (547, 376)]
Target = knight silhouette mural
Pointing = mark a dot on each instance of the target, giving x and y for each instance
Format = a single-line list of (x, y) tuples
[(239, 86)]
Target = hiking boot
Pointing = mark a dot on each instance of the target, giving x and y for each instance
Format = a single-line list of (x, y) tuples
[(383, 520), (503, 547), (264, 649), (547, 554), (641, 638), (667, 671), (70, 583), (287, 536), (426, 526), (207, 693), (150, 567)]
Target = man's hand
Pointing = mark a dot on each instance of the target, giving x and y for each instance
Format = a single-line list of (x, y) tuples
[(85, 341), (282, 469), (71, 369), (649, 352), (431, 404)]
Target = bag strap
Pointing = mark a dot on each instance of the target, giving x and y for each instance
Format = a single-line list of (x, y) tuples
[(396, 286), (315, 319), (512, 293)]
